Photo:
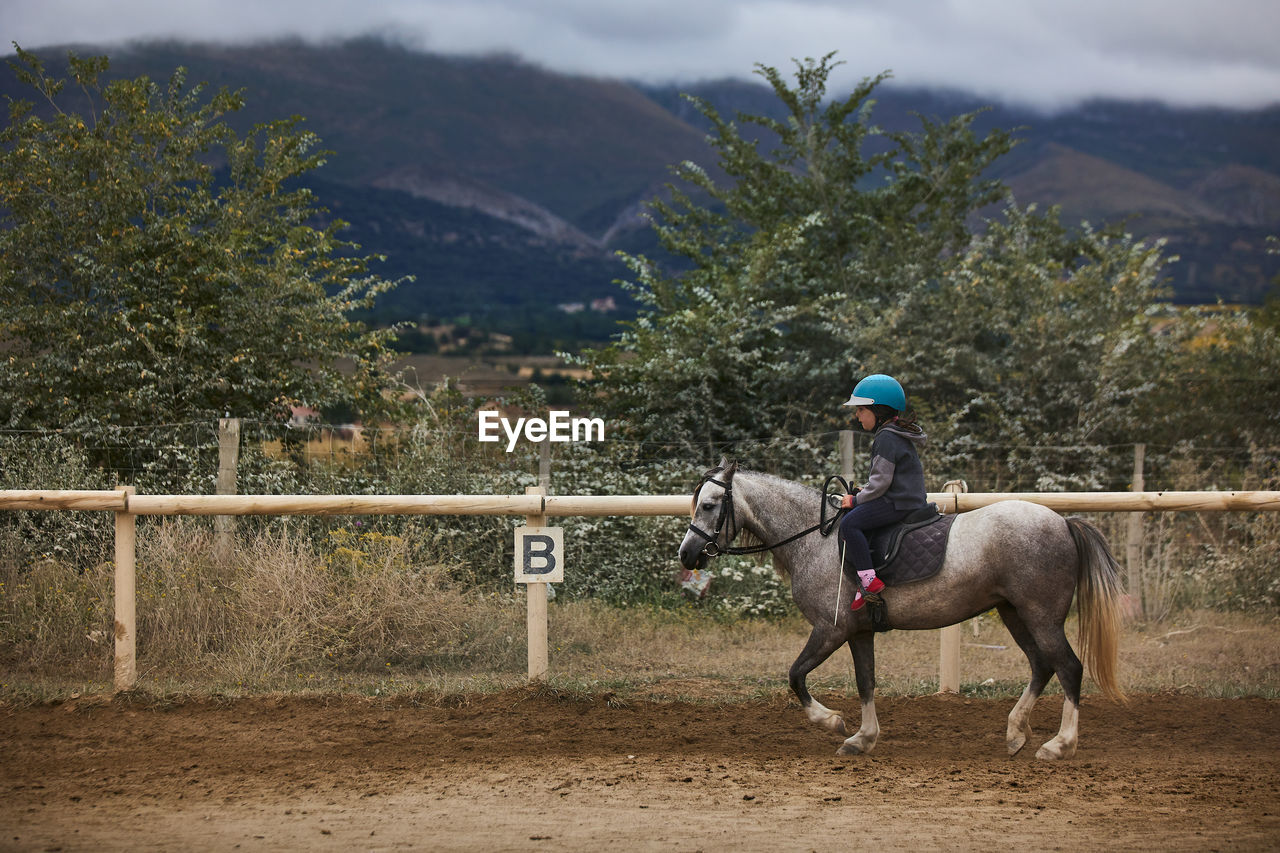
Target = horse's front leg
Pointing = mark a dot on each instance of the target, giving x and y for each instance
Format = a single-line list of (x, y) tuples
[(864, 669), (823, 640)]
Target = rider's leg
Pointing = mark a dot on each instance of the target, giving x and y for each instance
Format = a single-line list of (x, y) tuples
[(857, 551)]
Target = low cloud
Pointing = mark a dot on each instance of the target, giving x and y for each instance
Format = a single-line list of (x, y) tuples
[(1181, 52)]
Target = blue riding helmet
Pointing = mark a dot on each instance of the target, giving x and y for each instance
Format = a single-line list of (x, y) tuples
[(879, 388)]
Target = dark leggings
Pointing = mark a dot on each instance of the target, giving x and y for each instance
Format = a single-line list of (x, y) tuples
[(863, 517)]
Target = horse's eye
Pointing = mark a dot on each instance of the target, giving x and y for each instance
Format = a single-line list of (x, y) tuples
[(708, 504)]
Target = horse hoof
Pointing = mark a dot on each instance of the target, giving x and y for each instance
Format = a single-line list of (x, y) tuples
[(1017, 740), (856, 745), (1017, 735), (836, 724), (1054, 752)]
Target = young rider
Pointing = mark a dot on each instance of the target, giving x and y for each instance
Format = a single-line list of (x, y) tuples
[(895, 487)]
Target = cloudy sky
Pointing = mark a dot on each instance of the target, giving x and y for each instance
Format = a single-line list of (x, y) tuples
[(1049, 53)]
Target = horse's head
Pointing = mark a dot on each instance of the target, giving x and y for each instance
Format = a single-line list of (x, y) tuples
[(713, 525)]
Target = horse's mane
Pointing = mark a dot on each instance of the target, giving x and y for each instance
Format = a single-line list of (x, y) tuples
[(796, 489), (792, 487)]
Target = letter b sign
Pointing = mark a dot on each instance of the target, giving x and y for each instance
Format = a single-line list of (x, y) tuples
[(539, 555)]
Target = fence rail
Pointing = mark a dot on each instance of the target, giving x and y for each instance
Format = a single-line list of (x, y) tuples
[(1124, 501), (333, 504), (126, 506), (587, 505), (28, 499)]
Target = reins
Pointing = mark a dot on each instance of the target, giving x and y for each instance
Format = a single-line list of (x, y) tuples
[(824, 526)]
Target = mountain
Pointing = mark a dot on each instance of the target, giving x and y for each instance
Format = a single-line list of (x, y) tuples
[(1206, 181), (1217, 227), (1091, 188), (506, 188)]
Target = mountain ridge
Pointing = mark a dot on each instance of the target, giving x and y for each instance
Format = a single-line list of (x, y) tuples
[(473, 171)]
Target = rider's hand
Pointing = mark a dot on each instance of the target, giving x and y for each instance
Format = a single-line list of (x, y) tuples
[(846, 502)]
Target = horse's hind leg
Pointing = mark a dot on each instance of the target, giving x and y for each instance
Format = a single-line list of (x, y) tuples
[(1019, 730), (864, 667), (1045, 643), (822, 642), (1053, 643)]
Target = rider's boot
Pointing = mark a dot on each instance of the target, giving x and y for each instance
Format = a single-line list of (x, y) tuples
[(871, 586)]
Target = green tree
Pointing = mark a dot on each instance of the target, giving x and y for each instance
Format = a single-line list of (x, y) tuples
[(1037, 336), (155, 267), (1221, 383), (820, 213), (1269, 314), (831, 249)]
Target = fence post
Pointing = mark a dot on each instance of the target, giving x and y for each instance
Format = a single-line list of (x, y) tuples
[(536, 594), (846, 455), (544, 466), (126, 613), (544, 482), (1133, 547), (949, 654), (228, 461)]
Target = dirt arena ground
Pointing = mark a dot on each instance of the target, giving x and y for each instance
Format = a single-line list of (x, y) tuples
[(534, 768)]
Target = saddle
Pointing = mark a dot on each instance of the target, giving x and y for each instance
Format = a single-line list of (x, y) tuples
[(913, 549)]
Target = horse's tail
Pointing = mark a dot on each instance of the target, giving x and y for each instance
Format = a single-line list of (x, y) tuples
[(1098, 596)]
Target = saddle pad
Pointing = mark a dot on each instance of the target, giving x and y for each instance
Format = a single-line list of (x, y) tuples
[(919, 552)]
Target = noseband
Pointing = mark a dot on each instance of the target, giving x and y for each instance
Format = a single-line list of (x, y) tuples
[(712, 547)]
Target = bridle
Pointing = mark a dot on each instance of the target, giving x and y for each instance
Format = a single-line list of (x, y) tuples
[(711, 548)]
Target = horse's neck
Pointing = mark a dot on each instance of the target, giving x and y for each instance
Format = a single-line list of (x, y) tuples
[(775, 509)]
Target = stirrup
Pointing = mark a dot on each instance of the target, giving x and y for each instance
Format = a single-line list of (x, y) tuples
[(863, 598)]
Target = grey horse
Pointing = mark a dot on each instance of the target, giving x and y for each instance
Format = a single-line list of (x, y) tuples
[(1021, 558)]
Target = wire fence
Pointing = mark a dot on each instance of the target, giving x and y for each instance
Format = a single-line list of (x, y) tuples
[(1216, 559), (184, 457)]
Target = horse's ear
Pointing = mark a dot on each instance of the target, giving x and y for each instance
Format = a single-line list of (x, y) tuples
[(730, 468)]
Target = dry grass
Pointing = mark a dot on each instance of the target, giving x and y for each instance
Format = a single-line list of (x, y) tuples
[(364, 613), (1204, 652), (358, 604)]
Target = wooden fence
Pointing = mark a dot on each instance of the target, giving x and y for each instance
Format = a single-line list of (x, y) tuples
[(584, 505), (127, 505)]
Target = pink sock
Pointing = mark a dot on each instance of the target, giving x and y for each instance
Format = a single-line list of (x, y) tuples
[(867, 576)]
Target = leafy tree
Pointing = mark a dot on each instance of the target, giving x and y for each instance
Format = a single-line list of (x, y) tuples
[(155, 267), (1221, 383), (819, 213), (1269, 314), (831, 249), (1036, 337)]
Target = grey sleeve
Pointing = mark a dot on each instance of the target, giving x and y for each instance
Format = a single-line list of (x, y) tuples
[(878, 483)]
